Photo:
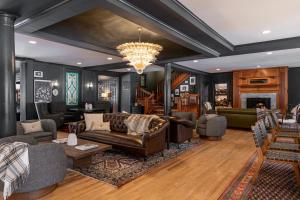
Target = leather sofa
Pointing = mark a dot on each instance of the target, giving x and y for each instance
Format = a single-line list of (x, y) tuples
[(149, 143), (48, 164), (238, 118), (182, 126), (48, 125)]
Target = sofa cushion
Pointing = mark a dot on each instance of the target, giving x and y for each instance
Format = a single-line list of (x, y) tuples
[(97, 126), (90, 118), (41, 134), (112, 138), (32, 127)]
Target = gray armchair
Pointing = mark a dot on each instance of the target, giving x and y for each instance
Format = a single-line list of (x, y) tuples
[(42, 111), (48, 164), (212, 127), (48, 125)]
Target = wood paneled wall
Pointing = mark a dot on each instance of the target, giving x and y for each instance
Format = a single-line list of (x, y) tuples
[(276, 81)]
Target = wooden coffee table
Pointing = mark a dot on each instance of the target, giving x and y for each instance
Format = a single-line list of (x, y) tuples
[(81, 159)]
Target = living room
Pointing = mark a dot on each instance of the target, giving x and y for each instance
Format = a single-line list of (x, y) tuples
[(167, 99)]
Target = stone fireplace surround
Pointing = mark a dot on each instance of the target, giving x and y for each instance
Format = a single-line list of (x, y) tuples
[(272, 96)]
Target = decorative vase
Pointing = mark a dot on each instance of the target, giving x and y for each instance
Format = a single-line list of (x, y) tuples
[(72, 139)]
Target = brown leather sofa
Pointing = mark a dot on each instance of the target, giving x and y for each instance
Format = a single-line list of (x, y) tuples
[(149, 143)]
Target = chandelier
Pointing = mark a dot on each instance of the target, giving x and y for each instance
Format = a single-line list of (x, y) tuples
[(139, 54)]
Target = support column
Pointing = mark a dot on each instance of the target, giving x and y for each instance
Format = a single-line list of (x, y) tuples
[(7, 76), (167, 89)]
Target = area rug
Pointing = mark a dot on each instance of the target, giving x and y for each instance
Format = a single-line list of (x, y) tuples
[(276, 181), (118, 167)]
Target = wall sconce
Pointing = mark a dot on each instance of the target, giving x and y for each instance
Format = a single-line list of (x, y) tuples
[(90, 85), (55, 83), (104, 95)]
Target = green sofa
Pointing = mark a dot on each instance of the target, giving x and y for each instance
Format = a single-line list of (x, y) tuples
[(238, 118)]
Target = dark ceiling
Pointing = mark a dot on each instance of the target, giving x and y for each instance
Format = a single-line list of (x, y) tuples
[(26, 8), (103, 28)]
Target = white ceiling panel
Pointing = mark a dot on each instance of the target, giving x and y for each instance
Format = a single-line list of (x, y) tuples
[(53, 52), (243, 21), (290, 58)]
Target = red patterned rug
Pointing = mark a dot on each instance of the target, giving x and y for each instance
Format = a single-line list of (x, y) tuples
[(276, 181)]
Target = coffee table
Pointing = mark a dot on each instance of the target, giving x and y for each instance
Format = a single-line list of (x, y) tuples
[(81, 159)]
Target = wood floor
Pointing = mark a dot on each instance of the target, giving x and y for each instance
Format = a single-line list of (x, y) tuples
[(202, 173)]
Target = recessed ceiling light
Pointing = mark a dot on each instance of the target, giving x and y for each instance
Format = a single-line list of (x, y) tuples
[(79, 63), (195, 61), (218, 69), (258, 66), (269, 53), (128, 69), (265, 32), (109, 58), (32, 42)]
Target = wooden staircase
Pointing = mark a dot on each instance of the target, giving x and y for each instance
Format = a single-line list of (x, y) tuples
[(153, 102), (176, 79)]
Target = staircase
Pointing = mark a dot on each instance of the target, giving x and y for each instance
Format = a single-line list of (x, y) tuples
[(176, 79), (153, 102)]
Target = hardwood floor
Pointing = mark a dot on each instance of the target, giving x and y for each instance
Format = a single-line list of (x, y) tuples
[(202, 173)]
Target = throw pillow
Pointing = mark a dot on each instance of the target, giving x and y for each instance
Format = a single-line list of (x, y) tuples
[(104, 126), (90, 118), (32, 127)]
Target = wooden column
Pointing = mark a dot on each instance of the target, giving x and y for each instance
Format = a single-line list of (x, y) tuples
[(7, 76), (167, 89)]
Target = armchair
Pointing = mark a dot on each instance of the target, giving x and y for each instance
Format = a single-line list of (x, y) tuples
[(182, 126), (212, 126), (48, 126), (43, 113), (48, 165)]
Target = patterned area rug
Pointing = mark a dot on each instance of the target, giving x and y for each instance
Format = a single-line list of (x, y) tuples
[(118, 168), (276, 181)]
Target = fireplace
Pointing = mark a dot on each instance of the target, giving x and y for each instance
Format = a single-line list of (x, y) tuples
[(258, 102), (250, 100)]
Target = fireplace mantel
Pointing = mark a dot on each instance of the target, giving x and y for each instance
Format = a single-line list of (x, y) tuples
[(261, 82)]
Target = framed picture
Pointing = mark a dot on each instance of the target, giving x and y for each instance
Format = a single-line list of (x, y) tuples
[(186, 82), (42, 91), (177, 93), (38, 74), (192, 80), (184, 88)]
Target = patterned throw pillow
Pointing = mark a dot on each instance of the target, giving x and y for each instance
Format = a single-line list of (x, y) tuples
[(90, 118), (104, 126), (32, 127)]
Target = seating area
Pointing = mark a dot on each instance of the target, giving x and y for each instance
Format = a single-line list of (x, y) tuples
[(168, 99)]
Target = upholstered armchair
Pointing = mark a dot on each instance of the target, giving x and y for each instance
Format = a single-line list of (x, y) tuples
[(48, 164), (42, 111), (182, 126), (211, 126), (48, 125)]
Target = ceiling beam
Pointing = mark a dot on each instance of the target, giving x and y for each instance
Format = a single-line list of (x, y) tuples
[(54, 14), (107, 67), (273, 45), (187, 69), (195, 57), (138, 16), (185, 13)]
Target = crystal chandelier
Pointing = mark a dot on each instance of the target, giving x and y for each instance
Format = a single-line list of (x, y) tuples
[(139, 54)]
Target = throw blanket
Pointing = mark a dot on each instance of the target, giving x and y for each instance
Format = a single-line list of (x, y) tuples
[(139, 124), (14, 166)]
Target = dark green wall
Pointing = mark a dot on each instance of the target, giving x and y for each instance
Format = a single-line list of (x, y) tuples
[(225, 77), (293, 87), (53, 72)]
